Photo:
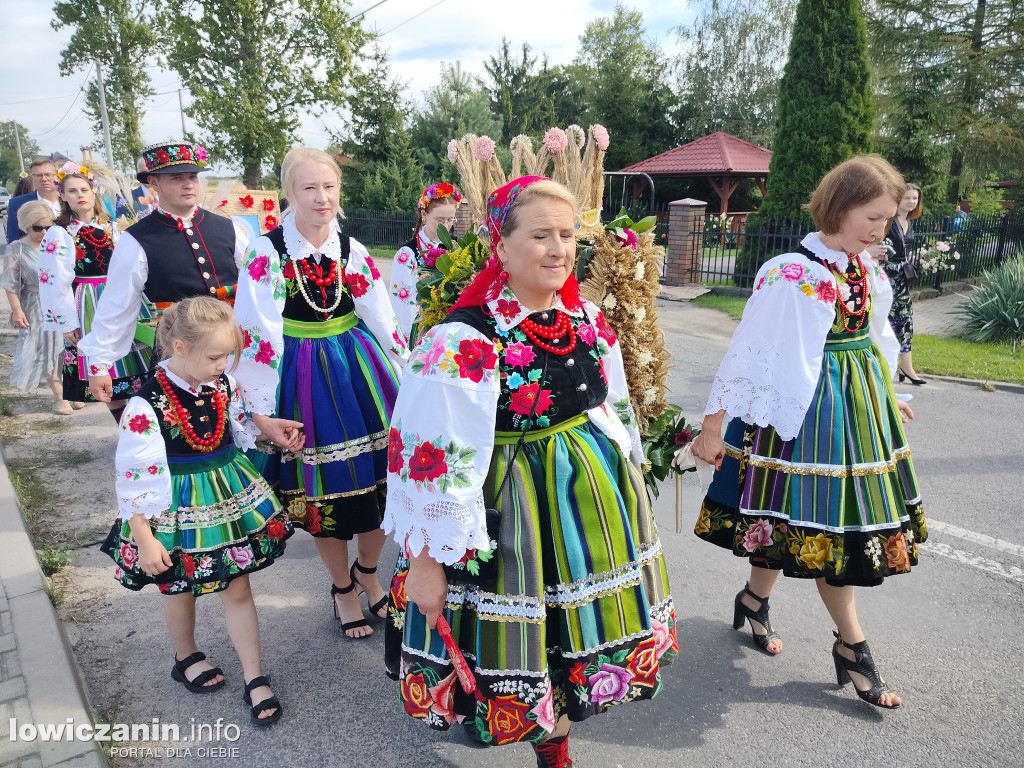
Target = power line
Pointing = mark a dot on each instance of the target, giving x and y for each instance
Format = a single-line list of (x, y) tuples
[(33, 101), (80, 91), (411, 18)]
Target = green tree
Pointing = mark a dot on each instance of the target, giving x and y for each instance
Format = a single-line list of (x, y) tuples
[(517, 92), (563, 98), (458, 105), (118, 33), (396, 184), (10, 167), (253, 66), (728, 76), (952, 69), (825, 111), (625, 87)]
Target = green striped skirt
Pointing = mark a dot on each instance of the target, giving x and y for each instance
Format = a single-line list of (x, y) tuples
[(840, 500), (224, 521), (581, 617)]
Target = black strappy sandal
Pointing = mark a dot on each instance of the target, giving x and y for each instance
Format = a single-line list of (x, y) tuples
[(741, 613), (347, 625), (263, 706), (197, 683), (362, 569), (862, 664)]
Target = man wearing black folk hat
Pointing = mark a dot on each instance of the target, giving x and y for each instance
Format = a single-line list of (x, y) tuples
[(179, 250)]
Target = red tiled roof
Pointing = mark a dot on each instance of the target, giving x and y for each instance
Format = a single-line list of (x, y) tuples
[(715, 155)]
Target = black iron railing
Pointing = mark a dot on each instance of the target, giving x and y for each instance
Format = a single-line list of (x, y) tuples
[(379, 228)]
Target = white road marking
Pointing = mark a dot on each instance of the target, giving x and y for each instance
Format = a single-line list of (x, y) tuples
[(1011, 572), (975, 538)]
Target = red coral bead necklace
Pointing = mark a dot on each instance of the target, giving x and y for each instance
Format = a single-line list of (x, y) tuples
[(181, 416), (540, 335)]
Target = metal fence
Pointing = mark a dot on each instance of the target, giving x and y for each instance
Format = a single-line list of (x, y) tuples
[(731, 252), (379, 228)]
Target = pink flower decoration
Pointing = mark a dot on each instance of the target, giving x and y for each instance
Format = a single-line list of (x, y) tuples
[(265, 353), (941, 246), (404, 294), (241, 555), (402, 257), (519, 354), (258, 268), (200, 153), (601, 136), (128, 555), (44, 277), (484, 149), (521, 137), (792, 272), (555, 140), (50, 247), (629, 240), (581, 137), (610, 683), (758, 534), (662, 637), (431, 256), (587, 334), (956, 255), (374, 272), (453, 151), (545, 711)]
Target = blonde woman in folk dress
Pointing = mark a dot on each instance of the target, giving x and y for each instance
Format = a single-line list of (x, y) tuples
[(579, 616), (73, 268), (323, 347), (815, 477)]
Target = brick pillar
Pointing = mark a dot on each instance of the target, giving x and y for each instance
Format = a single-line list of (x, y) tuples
[(465, 219), (684, 255)]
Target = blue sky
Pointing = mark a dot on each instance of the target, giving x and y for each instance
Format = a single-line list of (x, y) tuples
[(469, 31)]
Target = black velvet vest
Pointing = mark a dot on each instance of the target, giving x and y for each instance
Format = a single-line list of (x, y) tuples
[(90, 260), (295, 305), (202, 416), (194, 261)]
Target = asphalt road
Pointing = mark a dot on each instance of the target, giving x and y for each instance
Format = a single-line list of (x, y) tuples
[(947, 636)]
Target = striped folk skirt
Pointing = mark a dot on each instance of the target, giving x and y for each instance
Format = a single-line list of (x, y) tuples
[(581, 617), (127, 374), (224, 521), (337, 381), (840, 500)]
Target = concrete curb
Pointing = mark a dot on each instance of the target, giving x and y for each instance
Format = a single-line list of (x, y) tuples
[(47, 688), (999, 386)]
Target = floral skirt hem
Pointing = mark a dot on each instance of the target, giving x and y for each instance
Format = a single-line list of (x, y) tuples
[(343, 516)]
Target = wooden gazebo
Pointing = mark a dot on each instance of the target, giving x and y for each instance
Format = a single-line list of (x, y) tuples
[(720, 158)]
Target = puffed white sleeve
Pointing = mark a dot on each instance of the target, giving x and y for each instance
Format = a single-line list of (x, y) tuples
[(241, 246), (403, 288), (259, 303), (773, 363), (143, 483), (373, 305), (243, 431), (879, 329), (56, 274), (440, 445)]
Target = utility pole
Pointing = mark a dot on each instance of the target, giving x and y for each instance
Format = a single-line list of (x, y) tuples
[(103, 115), (181, 106), (17, 143)]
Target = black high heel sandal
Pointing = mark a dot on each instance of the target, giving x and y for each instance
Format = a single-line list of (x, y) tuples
[(741, 613), (903, 376), (862, 664), (347, 625), (363, 569), (257, 709)]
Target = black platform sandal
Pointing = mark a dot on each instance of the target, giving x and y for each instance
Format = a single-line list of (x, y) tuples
[(347, 625), (263, 706), (362, 569), (741, 613), (862, 664), (198, 683)]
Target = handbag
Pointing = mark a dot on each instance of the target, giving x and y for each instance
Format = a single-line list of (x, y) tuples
[(480, 569), (908, 271)]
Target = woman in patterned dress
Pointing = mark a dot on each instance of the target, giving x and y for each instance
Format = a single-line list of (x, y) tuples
[(815, 477), (518, 402), (323, 347), (37, 358)]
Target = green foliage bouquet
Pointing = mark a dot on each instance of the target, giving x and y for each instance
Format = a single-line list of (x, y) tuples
[(445, 272), (666, 435)]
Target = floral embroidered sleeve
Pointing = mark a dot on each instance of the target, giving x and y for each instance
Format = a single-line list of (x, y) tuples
[(879, 328), (403, 289), (774, 358), (143, 483), (243, 431), (440, 444), (373, 306), (259, 303), (56, 273)]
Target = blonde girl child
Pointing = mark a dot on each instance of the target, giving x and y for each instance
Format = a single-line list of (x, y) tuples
[(194, 515)]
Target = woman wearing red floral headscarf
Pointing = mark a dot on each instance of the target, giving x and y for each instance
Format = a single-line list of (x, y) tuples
[(559, 599), (437, 205)]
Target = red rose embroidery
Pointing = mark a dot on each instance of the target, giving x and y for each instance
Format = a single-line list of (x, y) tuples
[(162, 157), (313, 519), (507, 720), (276, 528), (604, 330), (188, 565), (140, 424), (415, 696), (427, 463), (474, 358), (577, 675), (247, 201), (128, 555), (184, 154), (357, 284), (246, 339), (508, 309), (288, 270), (522, 400), (643, 663), (153, 469), (398, 591), (79, 253), (268, 204), (395, 448), (825, 292)]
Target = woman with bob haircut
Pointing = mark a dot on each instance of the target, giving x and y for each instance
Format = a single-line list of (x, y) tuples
[(814, 475)]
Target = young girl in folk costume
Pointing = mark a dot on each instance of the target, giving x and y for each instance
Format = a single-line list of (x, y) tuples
[(518, 402), (72, 275), (194, 515), (438, 204), (37, 359), (322, 346), (816, 479)]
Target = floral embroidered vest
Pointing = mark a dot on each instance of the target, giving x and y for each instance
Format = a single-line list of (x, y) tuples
[(91, 260), (295, 305), (853, 292), (202, 414)]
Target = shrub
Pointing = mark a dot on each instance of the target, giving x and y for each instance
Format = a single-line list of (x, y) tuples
[(995, 310)]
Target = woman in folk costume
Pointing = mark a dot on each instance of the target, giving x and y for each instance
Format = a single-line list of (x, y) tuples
[(518, 402), (438, 205), (73, 267), (323, 347), (815, 478)]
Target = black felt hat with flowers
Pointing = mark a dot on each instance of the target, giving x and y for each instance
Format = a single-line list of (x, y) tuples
[(172, 157)]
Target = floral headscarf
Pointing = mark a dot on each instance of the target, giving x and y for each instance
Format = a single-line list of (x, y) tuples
[(499, 204)]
